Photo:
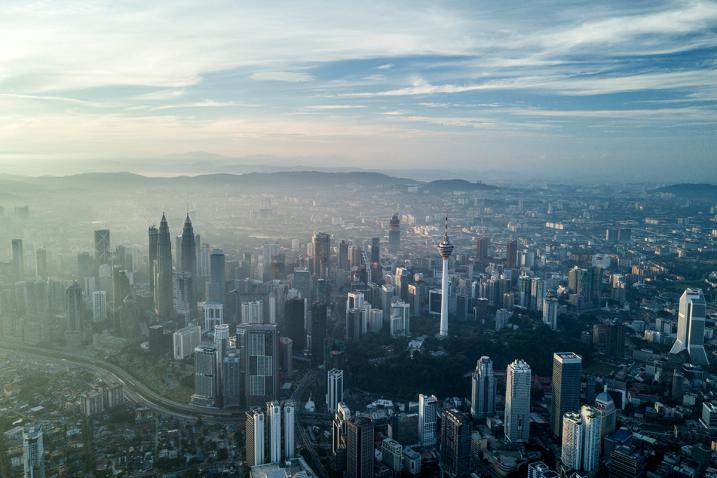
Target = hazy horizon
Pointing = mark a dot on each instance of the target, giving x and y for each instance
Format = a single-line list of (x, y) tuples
[(548, 90)]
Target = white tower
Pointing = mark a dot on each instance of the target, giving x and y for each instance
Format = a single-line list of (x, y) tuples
[(427, 412), (445, 249), (691, 327), (517, 402), (289, 443), (591, 419), (33, 453), (273, 411), (335, 389), (572, 449)]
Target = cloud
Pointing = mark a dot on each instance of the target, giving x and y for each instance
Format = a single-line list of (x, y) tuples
[(335, 107), (290, 76), (386, 66)]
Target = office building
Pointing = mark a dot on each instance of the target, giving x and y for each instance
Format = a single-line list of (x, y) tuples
[(259, 345), (394, 235), (164, 280), (185, 340), (318, 332), (206, 377), (455, 444), (18, 259), (335, 389), (572, 441), (567, 373), (392, 454), (99, 306), (359, 448), (153, 235), (482, 245), (252, 312), (427, 418), (232, 380), (483, 389), (538, 469), (41, 263), (511, 254), (445, 249), (216, 286), (691, 327), (189, 262), (273, 416), (33, 453), (103, 253), (322, 254), (516, 421), (254, 433), (74, 309), (289, 414), (400, 324), (550, 311)]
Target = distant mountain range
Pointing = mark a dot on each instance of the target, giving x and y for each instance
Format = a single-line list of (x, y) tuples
[(695, 191), (249, 182)]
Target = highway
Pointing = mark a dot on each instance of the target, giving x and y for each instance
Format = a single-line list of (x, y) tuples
[(304, 440), (134, 390)]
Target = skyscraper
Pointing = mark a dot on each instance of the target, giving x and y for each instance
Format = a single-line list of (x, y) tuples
[(294, 320), (359, 448), (427, 413), (153, 235), (254, 433), (394, 235), (289, 412), (99, 306), (591, 419), (517, 402), (189, 261), (259, 345), (41, 263), (572, 444), (511, 254), (33, 453), (691, 327), (455, 444), (206, 379), (318, 331), (18, 259), (550, 311), (335, 389), (103, 253), (217, 281), (445, 249), (482, 245), (322, 254), (567, 372), (483, 389), (581, 440), (375, 250), (74, 309), (164, 293), (273, 414), (231, 380)]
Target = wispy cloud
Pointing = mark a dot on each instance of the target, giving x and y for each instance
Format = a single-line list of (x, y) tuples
[(290, 76)]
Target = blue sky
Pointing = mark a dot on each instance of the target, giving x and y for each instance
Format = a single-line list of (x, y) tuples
[(547, 88)]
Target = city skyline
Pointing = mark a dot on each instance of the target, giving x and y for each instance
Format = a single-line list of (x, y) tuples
[(575, 91)]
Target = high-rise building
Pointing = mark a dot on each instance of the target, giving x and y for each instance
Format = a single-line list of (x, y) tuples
[(206, 376), (74, 309), (322, 254), (335, 389), (482, 245), (259, 345), (400, 321), (455, 444), (537, 294), (294, 320), (608, 413), (616, 341), (33, 453), (572, 444), (273, 415), (99, 306), (691, 327), (581, 440), (232, 380), (427, 418), (153, 234), (189, 261), (517, 402), (483, 389), (511, 254), (289, 412), (221, 344), (216, 286), (41, 263), (252, 312), (254, 433), (164, 281), (392, 454), (359, 448), (550, 311), (394, 235), (445, 249), (567, 372), (375, 250), (318, 331), (343, 255), (185, 340), (18, 259), (103, 253)]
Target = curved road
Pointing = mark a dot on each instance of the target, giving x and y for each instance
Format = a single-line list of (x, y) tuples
[(134, 389)]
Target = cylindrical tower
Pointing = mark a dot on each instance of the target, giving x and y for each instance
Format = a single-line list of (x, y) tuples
[(445, 249)]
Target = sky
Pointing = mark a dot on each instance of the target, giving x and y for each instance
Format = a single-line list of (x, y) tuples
[(623, 90)]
